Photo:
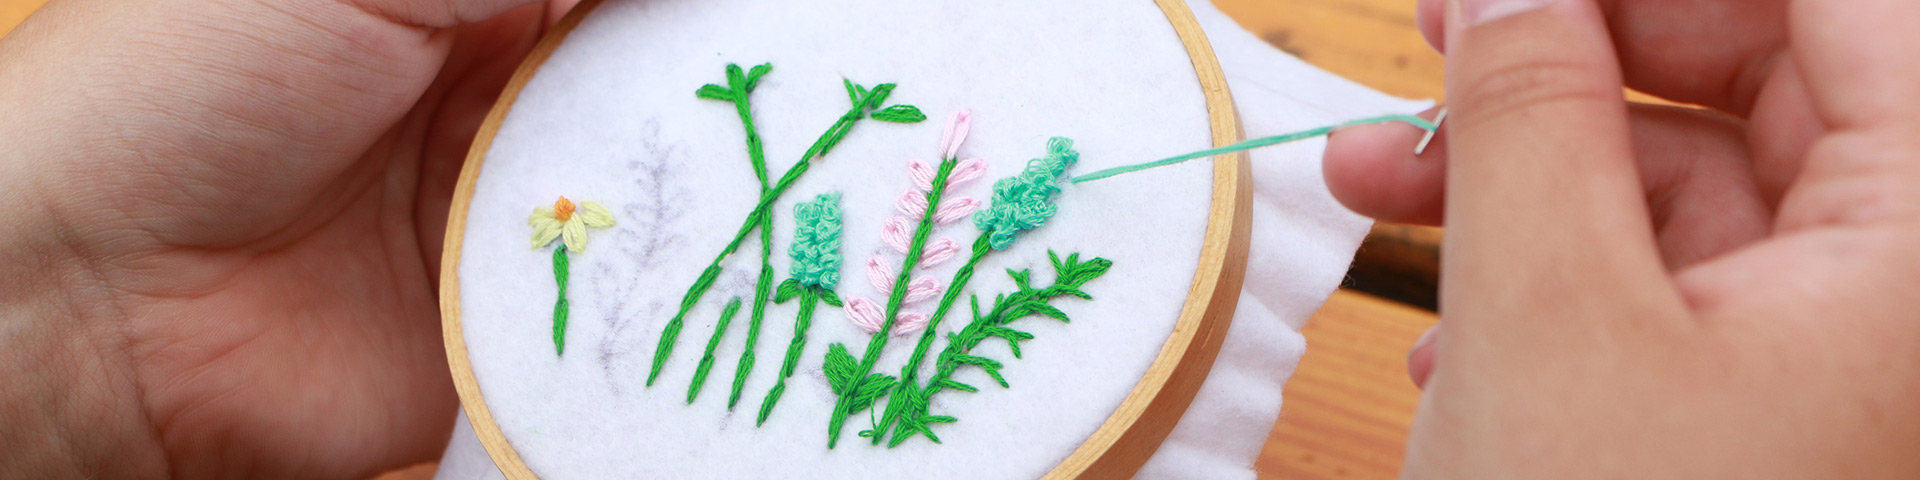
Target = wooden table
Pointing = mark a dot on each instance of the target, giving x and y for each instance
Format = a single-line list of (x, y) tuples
[(1348, 407)]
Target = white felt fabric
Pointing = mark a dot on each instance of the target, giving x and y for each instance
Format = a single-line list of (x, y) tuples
[(1302, 243)]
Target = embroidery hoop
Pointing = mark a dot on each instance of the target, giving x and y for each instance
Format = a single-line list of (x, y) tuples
[(1135, 429)]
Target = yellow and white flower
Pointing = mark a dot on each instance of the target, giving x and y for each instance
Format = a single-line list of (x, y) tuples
[(563, 220)]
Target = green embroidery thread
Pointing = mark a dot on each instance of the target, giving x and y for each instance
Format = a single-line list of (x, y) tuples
[(1070, 275), (1021, 202), (706, 361), (560, 307), (858, 386), (814, 274), (865, 103), (1256, 143), (568, 223), (739, 87)]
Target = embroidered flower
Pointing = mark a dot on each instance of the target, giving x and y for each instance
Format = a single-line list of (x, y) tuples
[(816, 242), (1022, 202), (899, 231), (566, 221)]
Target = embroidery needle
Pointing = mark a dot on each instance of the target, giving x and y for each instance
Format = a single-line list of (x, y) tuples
[(1437, 120)]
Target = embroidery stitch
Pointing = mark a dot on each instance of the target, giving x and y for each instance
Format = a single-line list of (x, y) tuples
[(1256, 143), (739, 86), (814, 273), (706, 360), (858, 387), (1070, 275), (569, 223), (866, 103), (1020, 202)]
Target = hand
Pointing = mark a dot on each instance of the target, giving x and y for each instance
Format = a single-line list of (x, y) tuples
[(1655, 292), (223, 229)]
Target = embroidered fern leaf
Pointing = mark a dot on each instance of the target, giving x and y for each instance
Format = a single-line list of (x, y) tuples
[(1070, 275)]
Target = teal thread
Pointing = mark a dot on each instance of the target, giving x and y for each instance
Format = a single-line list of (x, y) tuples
[(1024, 201), (816, 242), (861, 393), (1255, 143), (706, 361), (863, 103), (1070, 275), (560, 307), (815, 271)]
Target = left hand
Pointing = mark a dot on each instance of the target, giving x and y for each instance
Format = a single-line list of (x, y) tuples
[(224, 228)]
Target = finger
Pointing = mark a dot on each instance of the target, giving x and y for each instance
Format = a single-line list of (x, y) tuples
[(1858, 58), (1420, 358), (439, 13), (1864, 85), (1692, 164), (1541, 176), (1372, 170), (1668, 50)]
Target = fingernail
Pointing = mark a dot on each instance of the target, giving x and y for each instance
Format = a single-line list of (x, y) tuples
[(1477, 12), (1425, 339)]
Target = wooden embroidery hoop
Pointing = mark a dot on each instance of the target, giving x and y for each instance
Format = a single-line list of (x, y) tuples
[(1130, 434)]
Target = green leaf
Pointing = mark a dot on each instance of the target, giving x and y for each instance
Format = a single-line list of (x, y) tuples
[(956, 385), (878, 96), (1019, 278), (736, 79), (1093, 269), (900, 114), (869, 391), (982, 362), (714, 92), (840, 366), (1065, 290), (1013, 337), (932, 419), (1048, 310), (829, 297), (995, 373), (787, 290), (753, 76), (854, 91)]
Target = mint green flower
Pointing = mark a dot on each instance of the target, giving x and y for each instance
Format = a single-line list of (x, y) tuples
[(816, 242), (1025, 201)]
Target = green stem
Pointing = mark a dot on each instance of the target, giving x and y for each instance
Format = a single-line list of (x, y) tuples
[(842, 408), (560, 306), (808, 299), (671, 333), (706, 361), (912, 370), (743, 106)]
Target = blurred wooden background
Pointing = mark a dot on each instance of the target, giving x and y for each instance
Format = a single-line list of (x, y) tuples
[(1348, 407)]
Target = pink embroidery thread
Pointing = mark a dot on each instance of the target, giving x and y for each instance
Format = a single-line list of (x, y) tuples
[(897, 233)]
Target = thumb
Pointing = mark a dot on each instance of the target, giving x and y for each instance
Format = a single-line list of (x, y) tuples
[(1547, 221)]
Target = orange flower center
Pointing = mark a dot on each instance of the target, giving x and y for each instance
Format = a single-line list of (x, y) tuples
[(562, 209)]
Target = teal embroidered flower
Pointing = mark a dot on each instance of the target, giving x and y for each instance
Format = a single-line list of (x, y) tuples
[(1025, 201), (816, 242)]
